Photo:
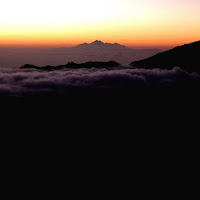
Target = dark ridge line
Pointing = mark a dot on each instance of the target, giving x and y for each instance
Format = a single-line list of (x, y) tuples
[(72, 65)]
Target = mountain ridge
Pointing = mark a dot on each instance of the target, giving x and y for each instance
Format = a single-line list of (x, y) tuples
[(186, 57), (72, 65)]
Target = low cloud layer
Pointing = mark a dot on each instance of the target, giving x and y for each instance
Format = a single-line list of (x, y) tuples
[(18, 82)]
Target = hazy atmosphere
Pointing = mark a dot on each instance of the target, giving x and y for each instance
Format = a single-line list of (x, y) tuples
[(95, 51)]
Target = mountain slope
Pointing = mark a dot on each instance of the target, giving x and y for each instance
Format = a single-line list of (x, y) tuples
[(186, 57)]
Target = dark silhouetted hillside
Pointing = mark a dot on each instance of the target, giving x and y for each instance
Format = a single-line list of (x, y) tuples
[(28, 66), (186, 57), (73, 65)]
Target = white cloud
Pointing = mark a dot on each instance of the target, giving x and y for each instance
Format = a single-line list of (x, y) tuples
[(15, 81)]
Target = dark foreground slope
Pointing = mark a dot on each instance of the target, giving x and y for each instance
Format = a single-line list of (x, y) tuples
[(186, 57)]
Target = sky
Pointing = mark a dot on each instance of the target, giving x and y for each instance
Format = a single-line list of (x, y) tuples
[(141, 23)]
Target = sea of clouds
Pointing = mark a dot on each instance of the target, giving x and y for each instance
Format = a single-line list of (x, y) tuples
[(18, 82)]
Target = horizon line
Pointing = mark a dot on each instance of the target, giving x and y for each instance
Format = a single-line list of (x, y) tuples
[(29, 46), (74, 44)]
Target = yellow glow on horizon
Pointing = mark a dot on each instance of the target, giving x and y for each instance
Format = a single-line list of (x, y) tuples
[(129, 22)]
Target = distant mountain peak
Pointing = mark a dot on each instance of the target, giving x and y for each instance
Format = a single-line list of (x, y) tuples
[(100, 44), (97, 42)]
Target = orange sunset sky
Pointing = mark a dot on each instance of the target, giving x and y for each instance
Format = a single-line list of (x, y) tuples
[(149, 23)]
